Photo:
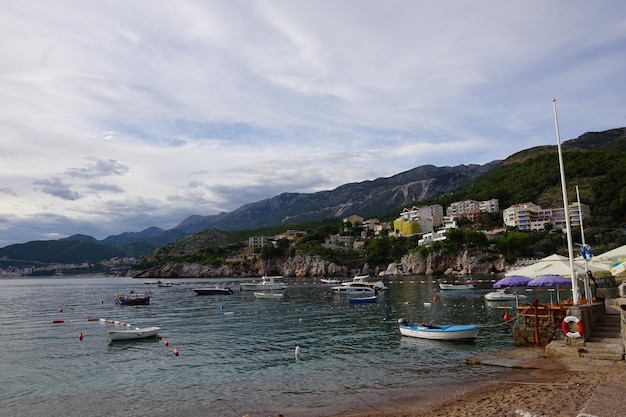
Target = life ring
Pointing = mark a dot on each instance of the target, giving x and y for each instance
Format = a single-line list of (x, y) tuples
[(572, 319), (586, 253)]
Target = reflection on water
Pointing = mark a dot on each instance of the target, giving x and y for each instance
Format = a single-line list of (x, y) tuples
[(236, 352)]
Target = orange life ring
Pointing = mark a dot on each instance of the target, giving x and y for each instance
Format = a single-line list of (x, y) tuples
[(572, 319)]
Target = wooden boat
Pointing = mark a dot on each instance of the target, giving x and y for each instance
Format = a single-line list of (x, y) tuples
[(362, 300), (439, 331), (503, 295), (445, 286), (130, 334), (132, 299), (267, 283), (217, 290), (269, 295)]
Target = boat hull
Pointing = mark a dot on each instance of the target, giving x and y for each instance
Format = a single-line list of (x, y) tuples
[(362, 300), (132, 300), (501, 296), (213, 291), (456, 286), (132, 334), (441, 332), (269, 296)]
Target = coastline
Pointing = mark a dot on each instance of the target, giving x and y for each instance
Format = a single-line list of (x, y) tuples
[(541, 386)]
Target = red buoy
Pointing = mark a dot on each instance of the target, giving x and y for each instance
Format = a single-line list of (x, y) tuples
[(434, 299), (175, 352), (166, 343), (80, 336), (61, 310), (506, 317), (159, 337), (57, 321)]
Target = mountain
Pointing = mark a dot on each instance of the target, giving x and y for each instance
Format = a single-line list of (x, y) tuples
[(365, 198), (596, 160)]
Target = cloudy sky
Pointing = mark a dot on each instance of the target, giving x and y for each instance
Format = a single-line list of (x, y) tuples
[(120, 115)]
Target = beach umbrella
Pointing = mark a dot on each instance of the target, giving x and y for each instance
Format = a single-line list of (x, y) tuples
[(550, 280), (512, 281)]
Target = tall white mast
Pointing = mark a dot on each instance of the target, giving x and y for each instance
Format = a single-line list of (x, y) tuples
[(568, 226)]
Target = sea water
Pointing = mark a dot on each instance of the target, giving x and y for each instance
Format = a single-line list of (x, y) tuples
[(236, 354)]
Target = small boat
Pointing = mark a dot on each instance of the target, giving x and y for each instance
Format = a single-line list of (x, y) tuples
[(444, 286), (132, 299), (439, 331), (334, 281), (269, 295), (217, 290), (354, 288), (266, 283), (503, 295), (164, 284), (363, 300), (130, 334)]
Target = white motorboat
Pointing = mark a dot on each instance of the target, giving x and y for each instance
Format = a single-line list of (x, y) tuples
[(354, 288), (360, 283), (266, 283), (503, 295), (439, 331), (130, 334), (330, 281), (445, 286)]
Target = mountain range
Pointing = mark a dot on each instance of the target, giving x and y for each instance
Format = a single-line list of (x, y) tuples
[(367, 199)]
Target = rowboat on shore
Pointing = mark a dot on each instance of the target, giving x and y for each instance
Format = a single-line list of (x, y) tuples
[(439, 331)]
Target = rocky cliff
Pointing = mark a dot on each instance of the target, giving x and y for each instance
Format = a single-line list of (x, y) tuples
[(302, 265)]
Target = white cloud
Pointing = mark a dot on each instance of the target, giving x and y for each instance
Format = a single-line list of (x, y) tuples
[(119, 116)]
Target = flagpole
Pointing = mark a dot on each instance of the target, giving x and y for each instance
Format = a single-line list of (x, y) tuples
[(568, 226), (588, 294)]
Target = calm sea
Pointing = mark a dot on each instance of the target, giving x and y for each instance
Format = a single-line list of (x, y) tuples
[(236, 354)]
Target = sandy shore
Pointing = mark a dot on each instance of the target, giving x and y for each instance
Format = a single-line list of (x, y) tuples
[(540, 386)]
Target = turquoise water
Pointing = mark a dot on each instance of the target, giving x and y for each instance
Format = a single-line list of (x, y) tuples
[(236, 354)]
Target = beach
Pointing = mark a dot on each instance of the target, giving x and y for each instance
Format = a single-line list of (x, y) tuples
[(541, 386)]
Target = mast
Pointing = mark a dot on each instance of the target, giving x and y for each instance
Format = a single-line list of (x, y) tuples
[(568, 226)]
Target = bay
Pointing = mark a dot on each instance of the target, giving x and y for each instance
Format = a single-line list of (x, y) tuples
[(236, 353)]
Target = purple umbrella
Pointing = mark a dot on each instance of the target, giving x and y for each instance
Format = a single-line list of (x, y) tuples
[(512, 281), (550, 280)]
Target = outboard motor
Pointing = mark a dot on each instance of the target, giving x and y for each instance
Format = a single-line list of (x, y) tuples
[(403, 321)]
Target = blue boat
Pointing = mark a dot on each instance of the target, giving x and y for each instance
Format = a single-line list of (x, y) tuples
[(439, 331), (369, 299)]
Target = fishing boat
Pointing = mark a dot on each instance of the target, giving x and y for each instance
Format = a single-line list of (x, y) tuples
[(266, 283), (216, 290), (354, 288), (445, 286), (132, 299), (363, 300), (439, 331), (503, 295), (269, 295), (130, 334)]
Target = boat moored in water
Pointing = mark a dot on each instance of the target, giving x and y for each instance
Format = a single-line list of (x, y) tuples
[(131, 334), (503, 295), (132, 299), (447, 286), (266, 283), (216, 290)]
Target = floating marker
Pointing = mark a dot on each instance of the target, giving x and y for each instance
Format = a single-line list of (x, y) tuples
[(297, 352), (166, 343), (61, 310), (175, 352), (80, 336), (57, 321)]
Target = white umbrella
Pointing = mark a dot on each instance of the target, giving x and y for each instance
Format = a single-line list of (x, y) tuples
[(550, 265)]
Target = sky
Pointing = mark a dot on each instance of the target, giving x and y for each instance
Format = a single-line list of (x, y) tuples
[(116, 116)]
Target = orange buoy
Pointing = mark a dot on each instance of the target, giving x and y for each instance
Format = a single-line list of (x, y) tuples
[(166, 343), (175, 352), (506, 317), (61, 310), (435, 299), (159, 337), (93, 319), (80, 336), (57, 321)]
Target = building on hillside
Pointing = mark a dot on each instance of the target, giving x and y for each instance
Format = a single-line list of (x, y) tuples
[(432, 237), (338, 240), (531, 217), (414, 220), (258, 241), (354, 219), (472, 209), (290, 235)]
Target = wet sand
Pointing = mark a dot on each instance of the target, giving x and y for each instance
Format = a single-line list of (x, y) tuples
[(540, 386)]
